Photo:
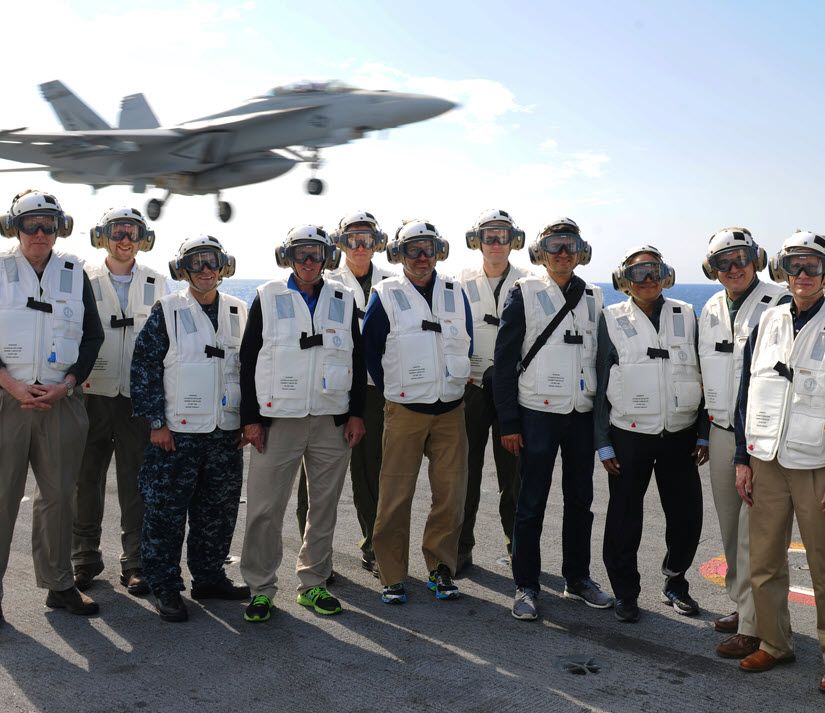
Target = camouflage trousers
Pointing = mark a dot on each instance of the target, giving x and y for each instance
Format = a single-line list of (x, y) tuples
[(202, 478)]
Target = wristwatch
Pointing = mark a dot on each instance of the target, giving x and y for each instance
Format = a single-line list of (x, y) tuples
[(156, 424), (69, 387)]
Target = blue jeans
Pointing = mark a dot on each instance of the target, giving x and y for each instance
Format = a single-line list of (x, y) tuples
[(543, 435)]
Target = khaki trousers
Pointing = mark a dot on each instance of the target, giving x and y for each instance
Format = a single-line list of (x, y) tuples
[(732, 513), (408, 436), (778, 494), (52, 442), (321, 445)]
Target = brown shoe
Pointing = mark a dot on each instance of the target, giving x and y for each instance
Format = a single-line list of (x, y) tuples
[(727, 624), (85, 573), (134, 582), (72, 600), (738, 646), (822, 684), (761, 660)]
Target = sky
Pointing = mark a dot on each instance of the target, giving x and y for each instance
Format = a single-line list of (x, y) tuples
[(645, 122)]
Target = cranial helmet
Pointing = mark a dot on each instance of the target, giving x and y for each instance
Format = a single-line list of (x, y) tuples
[(493, 215), (102, 233), (307, 234), (566, 227), (621, 281), (33, 202), (338, 236), (416, 229), (730, 240), (802, 241), (200, 244)]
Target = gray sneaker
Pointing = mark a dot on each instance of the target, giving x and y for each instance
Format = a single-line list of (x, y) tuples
[(524, 605), (587, 591)]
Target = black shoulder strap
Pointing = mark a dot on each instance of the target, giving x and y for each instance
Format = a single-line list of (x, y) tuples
[(570, 302)]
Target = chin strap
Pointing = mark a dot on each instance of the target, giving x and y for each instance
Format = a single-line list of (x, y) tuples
[(204, 292)]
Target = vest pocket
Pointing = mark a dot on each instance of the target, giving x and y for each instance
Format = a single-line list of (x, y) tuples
[(687, 396), (554, 368), (196, 389), (458, 367), (805, 433), (766, 404), (417, 359), (337, 378), (640, 389)]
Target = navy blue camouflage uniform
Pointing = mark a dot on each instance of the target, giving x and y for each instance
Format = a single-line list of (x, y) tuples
[(201, 478)]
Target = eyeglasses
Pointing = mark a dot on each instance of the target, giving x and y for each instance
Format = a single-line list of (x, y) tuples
[(557, 242), (416, 248), (126, 229), (299, 254), (197, 262), (360, 239), (640, 271), (741, 258), (30, 224), (502, 236), (794, 265)]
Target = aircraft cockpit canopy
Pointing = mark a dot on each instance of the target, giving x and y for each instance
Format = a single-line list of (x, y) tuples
[(308, 87)]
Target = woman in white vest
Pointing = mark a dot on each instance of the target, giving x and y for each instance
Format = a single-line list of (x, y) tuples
[(727, 320), (125, 293), (495, 234), (358, 238), (544, 396), (49, 337), (185, 380), (303, 380), (780, 446), (647, 419)]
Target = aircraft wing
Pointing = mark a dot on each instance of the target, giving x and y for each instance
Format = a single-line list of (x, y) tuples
[(239, 121), (77, 144)]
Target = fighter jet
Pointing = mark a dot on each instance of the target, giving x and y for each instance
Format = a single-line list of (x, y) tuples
[(207, 155)]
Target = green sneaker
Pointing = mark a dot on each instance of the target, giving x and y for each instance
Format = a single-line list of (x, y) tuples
[(442, 583), (322, 601), (259, 608)]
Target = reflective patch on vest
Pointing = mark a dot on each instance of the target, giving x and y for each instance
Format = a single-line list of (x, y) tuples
[(757, 313), (66, 280), (625, 325), (449, 301), (678, 325), (401, 300), (818, 350), (714, 320), (148, 294), (284, 306), (10, 265), (98, 292), (188, 321), (591, 308), (337, 308), (235, 325), (546, 303), (472, 288)]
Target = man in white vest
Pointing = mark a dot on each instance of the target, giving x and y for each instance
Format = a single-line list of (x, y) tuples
[(359, 238), (418, 342), (185, 380), (495, 234), (50, 334), (727, 320), (647, 419), (303, 380), (125, 292), (780, 446), (544, 396)]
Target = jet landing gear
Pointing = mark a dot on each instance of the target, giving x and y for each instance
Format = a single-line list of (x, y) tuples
[(153, 208), (224, 209), (315, 186)]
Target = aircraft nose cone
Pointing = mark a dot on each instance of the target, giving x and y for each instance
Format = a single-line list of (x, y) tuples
[(429, 107)]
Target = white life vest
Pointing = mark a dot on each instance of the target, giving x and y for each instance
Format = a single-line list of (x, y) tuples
[(656, 386), (486, 313), (562, 375), (786, 419), (426, 357), (41, 321), (110, 373), (305, 364), (344, 275), (721, 349), (201, 376)]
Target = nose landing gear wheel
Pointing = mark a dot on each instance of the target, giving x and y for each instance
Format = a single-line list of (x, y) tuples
[(315, 186), (224, 211), (153, 208)]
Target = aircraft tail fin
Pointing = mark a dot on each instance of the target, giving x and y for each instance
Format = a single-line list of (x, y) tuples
[(74, 115), (135, 113)]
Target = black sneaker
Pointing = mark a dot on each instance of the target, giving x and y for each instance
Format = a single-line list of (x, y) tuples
[(587, 591), (171, 607), (259, 609), (682, 602), (441, 582), (321, 600), (222, 589), (394, 594), (627, 610)]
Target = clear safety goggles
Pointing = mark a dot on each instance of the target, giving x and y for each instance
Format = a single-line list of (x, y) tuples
[(354, 239), (119, 230), (413, 249), (556, 242), (740, 257), (500, 235), (795, 263), (314, 252), (30, 224), (197, 262), (640, 271)]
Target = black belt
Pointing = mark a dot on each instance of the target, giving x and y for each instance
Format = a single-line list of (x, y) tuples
[(783, 370), (39, 306), (125, 322), (658, 353), (316, 340), (430, 326), (573, 338), (725, 346), (214, 352), (492, 320)]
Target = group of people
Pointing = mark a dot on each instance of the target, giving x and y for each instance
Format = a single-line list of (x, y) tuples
[(348, 365)]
